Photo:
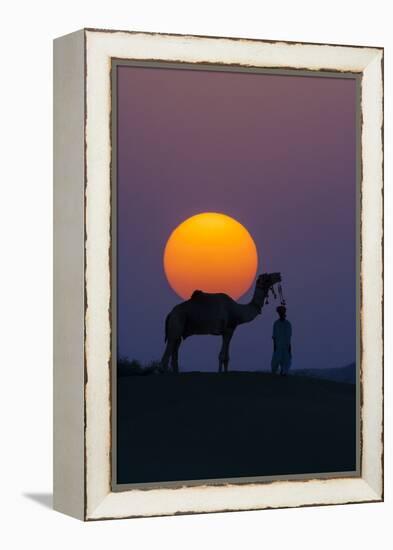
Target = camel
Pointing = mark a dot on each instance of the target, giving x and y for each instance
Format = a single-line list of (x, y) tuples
[(215, 314)]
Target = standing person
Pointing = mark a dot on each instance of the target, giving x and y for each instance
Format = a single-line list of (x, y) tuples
[(282, 351)]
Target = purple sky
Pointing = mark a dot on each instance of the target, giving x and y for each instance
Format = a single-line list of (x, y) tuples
[(278, 153)]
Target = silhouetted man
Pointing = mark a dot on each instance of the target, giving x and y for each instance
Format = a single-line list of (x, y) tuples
[(282, 352)]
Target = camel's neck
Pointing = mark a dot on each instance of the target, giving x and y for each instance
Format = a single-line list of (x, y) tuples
[(247, 312)]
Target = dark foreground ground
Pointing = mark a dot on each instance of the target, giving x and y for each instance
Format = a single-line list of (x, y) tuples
[(207, 425)]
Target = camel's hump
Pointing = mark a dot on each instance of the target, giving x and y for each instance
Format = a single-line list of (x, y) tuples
[(199, 295)]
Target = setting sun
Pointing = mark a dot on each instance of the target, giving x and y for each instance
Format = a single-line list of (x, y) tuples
[(210, 252)]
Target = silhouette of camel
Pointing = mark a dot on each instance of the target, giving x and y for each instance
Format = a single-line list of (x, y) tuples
[(216, 314)]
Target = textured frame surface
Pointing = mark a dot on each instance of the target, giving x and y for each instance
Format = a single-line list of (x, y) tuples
[(100, 47)]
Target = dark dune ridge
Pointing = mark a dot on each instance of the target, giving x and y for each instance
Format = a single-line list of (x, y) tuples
[(345, 374), (241, 424)]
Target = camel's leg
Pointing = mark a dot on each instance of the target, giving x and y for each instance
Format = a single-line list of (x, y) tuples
[(167, 354), (227, 341), (223, 358), (175, 356)]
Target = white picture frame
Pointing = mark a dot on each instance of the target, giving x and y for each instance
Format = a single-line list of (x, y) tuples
[(82, 273)]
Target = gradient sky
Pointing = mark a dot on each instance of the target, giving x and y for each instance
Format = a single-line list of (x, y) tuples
[(277, 153)]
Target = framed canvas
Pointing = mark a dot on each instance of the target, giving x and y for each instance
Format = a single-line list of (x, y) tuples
[(218, 269)]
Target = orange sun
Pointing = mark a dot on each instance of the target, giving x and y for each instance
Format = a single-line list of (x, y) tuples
[(210, 252)]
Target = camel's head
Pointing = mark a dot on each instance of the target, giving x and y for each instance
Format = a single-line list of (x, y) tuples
[(267, 280)]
